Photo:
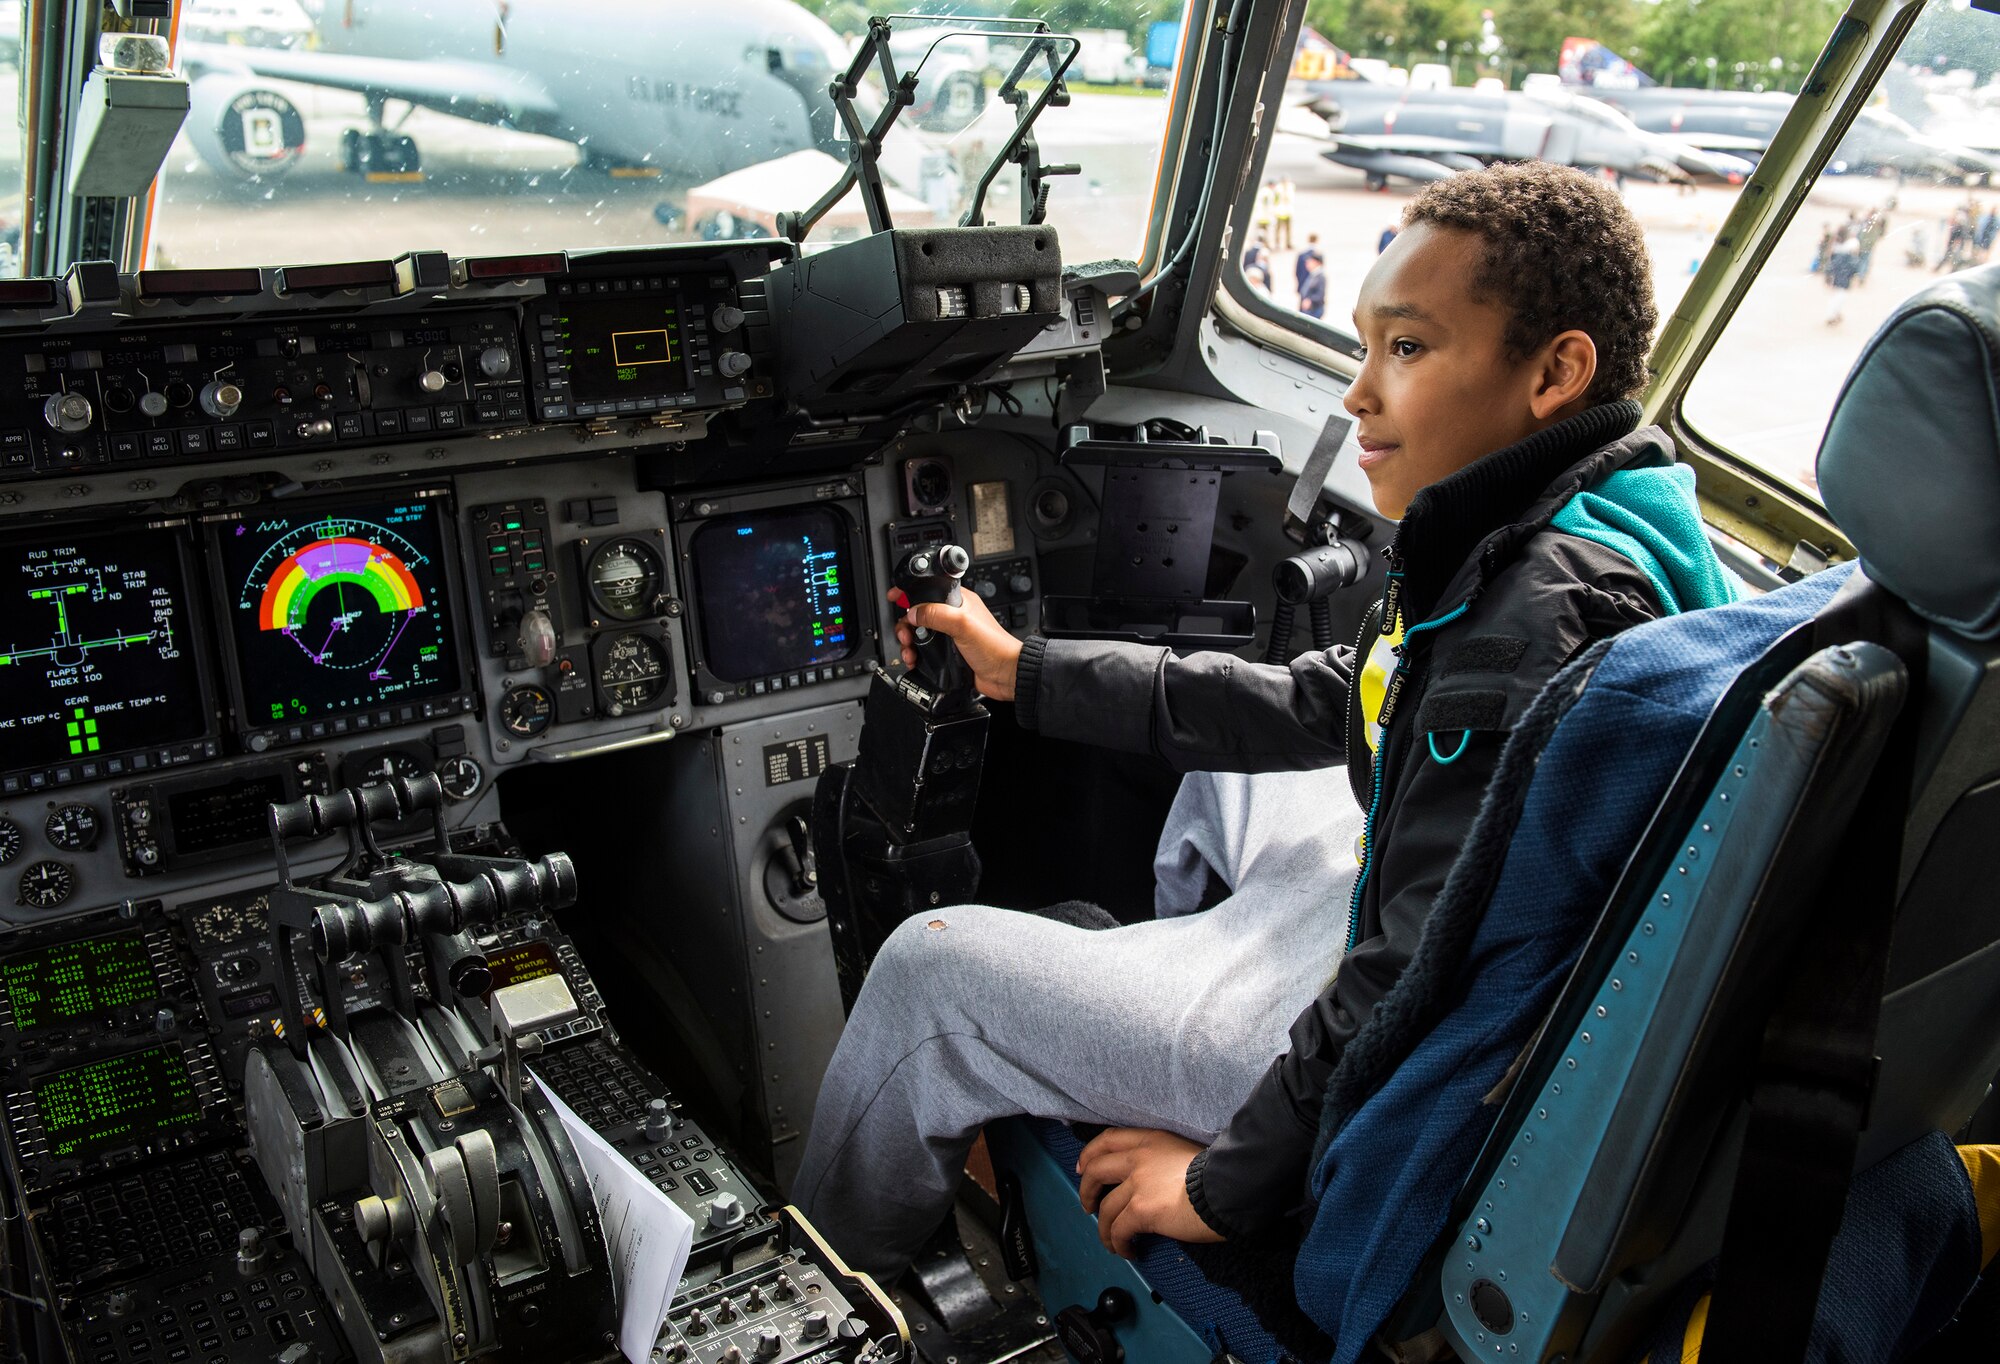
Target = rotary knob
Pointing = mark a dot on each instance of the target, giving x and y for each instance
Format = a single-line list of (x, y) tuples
[(659, 1120), (494, 361), (1021, 584), (726, 1211), (987, 588), (768, 1344), (813, 1325), (220, 399), (68, 413), (153, 404), (431, 381), (733, 363), (726, 318)]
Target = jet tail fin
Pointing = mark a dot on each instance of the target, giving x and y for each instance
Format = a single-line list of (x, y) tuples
[(1585, 61)]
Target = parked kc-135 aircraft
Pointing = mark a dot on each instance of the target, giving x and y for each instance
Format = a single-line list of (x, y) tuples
[(544, 66)]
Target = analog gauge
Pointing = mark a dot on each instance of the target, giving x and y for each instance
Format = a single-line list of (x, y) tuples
[(73, 828), (526, 711), (237, 970), (461, 777), (220, 923), (626, 579), (632, 672), (10, 841), (46, 885), (371, 769)]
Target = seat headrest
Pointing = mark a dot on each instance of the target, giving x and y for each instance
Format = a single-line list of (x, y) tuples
[(1910, 467)]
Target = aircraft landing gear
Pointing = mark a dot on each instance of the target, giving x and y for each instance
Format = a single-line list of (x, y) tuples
[(1377, 182), (378, 151)]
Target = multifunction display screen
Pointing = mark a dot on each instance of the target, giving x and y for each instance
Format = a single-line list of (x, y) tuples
[(97, 649), (623, 346), (209, 818), (77, 982), (338, 609), (773, 592), (521, 961), (117, 1101)]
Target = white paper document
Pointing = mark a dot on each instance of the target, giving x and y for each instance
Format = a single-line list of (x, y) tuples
[(647, 1235)]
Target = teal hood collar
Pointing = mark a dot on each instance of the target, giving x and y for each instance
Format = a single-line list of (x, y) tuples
[(1648, 514)]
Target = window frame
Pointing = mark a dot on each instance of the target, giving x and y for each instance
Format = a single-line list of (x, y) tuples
[(1783, 523)]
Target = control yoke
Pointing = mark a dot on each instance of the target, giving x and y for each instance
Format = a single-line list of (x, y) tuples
[(892, 832)]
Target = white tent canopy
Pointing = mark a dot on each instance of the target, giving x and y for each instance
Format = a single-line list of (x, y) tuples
[(793, 183)]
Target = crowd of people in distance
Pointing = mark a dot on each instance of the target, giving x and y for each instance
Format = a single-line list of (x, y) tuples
[(1846, 251), (1271, 233)]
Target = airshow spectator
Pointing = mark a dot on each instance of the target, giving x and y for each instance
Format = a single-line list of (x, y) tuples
[(1842, 265), (1382, 242), (1257, 266), (1310, 254), (1283, 193), (1312, 292)]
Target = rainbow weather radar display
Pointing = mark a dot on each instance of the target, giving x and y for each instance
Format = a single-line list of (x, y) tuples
[(338, 610)]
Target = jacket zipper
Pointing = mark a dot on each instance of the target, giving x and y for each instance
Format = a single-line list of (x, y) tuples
[(1391, 601)]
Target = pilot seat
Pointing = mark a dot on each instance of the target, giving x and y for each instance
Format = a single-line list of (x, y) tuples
[(1718, 965)]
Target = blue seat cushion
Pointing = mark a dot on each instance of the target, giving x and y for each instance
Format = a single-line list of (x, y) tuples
[(1218, 1315)]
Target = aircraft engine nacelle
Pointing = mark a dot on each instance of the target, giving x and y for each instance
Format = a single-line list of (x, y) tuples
[(245, 129)]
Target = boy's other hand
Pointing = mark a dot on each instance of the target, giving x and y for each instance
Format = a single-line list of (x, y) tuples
[(989, 650), (1135, 1180)]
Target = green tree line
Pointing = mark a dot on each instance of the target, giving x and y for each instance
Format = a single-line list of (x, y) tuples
[(1670, 40), (1733, 44)]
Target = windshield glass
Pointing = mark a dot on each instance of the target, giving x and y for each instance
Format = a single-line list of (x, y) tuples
[(13, 164), (359, 129), (1893, 210)]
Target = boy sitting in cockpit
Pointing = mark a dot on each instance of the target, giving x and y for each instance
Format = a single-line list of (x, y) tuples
[(1505, 332)]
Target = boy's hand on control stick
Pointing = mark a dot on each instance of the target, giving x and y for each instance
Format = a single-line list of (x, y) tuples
[(988, 649)]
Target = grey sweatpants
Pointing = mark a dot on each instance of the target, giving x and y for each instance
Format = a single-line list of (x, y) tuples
[(972, 1013)]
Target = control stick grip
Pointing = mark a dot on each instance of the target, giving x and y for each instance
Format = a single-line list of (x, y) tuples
[(933, 574)]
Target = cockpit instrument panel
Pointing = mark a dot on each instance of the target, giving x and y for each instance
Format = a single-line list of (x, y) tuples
[(100, 669), (337, 611), (92, 1107), (173, 393), (78, 982), (636, 341), (780, 601)]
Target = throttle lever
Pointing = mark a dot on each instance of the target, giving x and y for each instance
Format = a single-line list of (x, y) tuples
[(933, 574)]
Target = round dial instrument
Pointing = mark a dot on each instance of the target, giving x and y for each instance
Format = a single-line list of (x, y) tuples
[(10, 841), (222, 923), (461, 777), (46, 885), (73, 828), (526, 711), (632, 672), (370, 769), (626, 579)]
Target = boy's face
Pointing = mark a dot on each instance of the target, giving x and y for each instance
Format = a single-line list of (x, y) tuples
[(1437, 389)]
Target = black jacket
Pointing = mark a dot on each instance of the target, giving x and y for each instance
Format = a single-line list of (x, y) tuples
[(1495, 603)]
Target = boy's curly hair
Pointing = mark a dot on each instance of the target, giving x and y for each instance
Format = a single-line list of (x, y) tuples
[(1562, 252)]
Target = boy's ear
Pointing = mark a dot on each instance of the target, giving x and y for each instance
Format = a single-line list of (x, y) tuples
[(1568, 365)]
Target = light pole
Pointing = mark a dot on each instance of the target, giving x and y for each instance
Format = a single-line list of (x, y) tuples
[(1711, 73)]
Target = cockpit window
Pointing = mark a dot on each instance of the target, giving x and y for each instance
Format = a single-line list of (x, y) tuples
[(13, 161), (1357, 135), (356, 129), (1908, 196)]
